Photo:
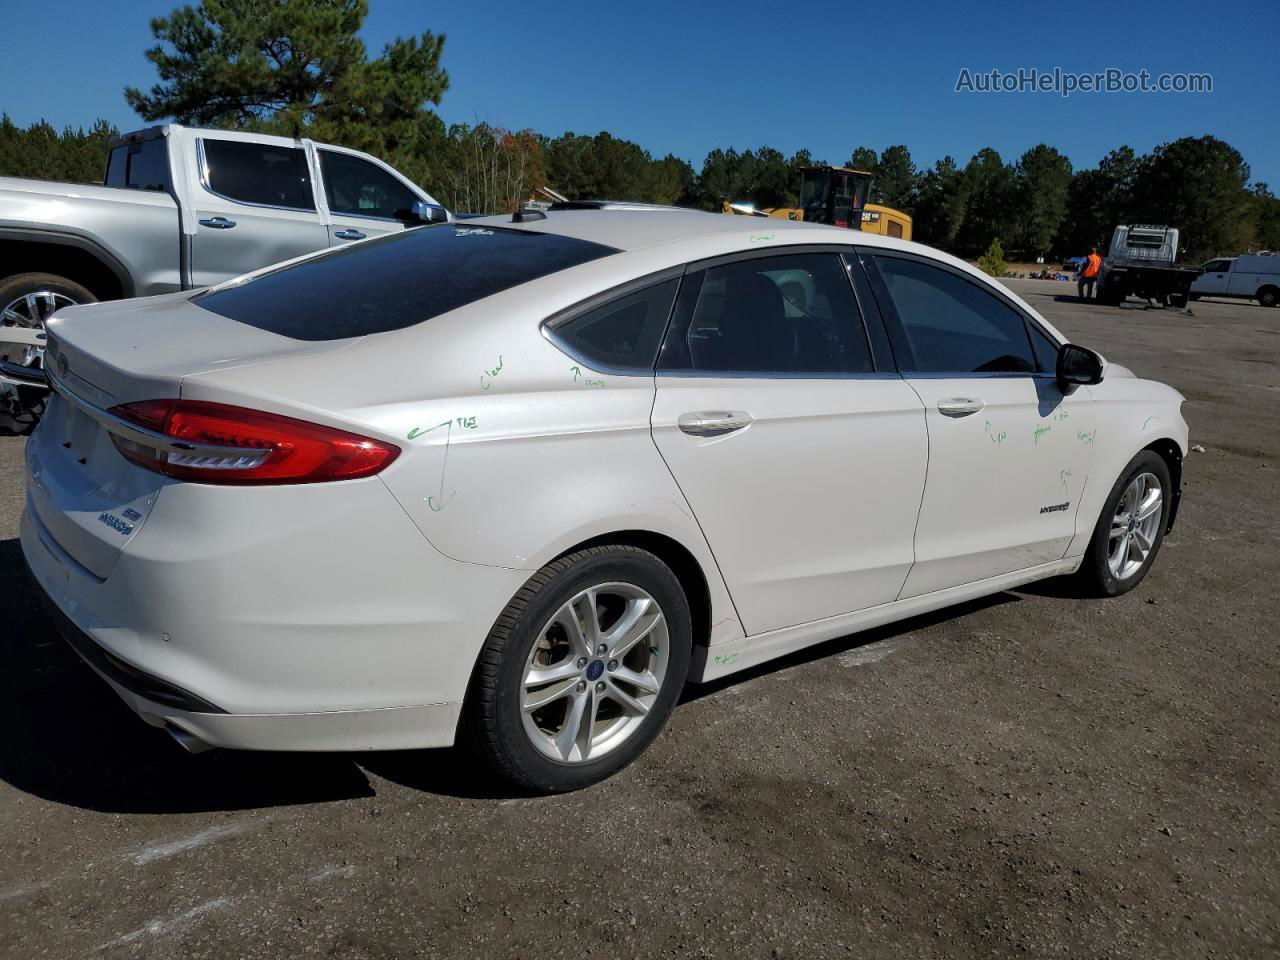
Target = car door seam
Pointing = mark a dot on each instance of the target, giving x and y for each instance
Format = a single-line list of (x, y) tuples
[(653, 405)]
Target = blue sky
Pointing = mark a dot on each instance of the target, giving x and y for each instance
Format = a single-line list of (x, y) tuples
[(684, 77)]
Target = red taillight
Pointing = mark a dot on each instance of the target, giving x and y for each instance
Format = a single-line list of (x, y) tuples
[(237, 445)]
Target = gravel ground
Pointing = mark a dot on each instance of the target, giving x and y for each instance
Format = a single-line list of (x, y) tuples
[(1032, 774)]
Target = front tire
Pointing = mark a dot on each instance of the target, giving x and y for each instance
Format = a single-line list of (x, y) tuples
[(28, 300), (581, 671), (1131, 528)]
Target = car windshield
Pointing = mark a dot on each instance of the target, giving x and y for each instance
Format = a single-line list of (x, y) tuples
[(396, 281)]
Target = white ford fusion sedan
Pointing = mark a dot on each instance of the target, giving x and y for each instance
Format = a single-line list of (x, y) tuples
[(518, 481)]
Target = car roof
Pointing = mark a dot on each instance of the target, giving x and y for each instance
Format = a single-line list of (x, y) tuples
[(632, 227)]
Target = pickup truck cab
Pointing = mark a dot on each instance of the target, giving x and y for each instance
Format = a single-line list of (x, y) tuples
[(180, 208), (1251, 277)]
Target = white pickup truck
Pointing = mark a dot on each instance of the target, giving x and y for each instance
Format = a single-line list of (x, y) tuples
[(181, 208), (1249, 277)]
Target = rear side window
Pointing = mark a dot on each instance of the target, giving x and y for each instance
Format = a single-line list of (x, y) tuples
[(790, 315), (139, 166), (951, 324), (258, 173), (359, 188), (396, 281), (623, 334)]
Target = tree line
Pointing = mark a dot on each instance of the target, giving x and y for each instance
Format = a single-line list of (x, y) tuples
[(298, 68)]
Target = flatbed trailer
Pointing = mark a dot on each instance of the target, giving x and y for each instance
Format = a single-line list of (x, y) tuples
[(1142, 262)]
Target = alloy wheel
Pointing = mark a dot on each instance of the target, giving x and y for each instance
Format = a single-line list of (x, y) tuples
[(594, 672), (1135, 525), (30, 310)]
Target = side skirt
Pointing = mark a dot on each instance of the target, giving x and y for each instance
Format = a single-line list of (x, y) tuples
[(723, 659)]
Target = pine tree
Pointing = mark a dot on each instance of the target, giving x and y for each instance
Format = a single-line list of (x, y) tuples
[(992, 261)]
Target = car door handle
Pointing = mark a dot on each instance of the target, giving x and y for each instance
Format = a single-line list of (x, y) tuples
[(712, 423), (349, 235), (217, 223), (959, 406)]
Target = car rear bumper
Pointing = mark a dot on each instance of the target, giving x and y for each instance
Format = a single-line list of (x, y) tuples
[(240, 629), (198, 725)]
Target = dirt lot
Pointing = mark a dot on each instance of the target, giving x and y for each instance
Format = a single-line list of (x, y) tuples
[(1035, 774)]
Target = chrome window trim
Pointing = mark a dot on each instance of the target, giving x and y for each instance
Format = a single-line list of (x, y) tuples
[(204, 181), (142, 435)]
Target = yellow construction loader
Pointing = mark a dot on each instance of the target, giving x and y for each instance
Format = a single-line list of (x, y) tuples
[(838, 196)]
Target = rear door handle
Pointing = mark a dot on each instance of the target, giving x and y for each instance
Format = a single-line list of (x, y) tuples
[(217, 223), (713, 423), (349, 235), (959, 406)]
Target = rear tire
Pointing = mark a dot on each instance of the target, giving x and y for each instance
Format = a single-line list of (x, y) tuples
[(559, 700), (27, 300), (1268, 296), (1178, 300), (1131, 527)]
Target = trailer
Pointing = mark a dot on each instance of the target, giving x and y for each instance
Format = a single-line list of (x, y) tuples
[(1142, 262)]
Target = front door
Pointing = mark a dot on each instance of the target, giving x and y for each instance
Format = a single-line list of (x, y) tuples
[(364, 199), (803, 465), (1009, 453)]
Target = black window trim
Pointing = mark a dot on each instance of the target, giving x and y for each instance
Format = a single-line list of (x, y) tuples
[(324, 187), (204, 177), (898, 336), (603, 299), (682, 315)]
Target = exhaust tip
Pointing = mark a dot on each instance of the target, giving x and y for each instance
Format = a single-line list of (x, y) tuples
[(187, 740)]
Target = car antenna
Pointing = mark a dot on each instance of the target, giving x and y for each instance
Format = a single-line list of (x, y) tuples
[(527, 214)]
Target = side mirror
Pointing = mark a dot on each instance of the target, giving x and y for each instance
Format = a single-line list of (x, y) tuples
[(423, 213), (1078, 365)]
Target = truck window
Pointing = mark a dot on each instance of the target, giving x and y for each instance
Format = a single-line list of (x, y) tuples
[(359, 188), (139, 166), (257, 173)]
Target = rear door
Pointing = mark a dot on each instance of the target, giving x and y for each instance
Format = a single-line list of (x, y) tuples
[(364, 198), (255, 205), (802, 456), (1009, 452)]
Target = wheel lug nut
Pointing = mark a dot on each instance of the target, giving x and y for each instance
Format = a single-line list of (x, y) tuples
[(582, 662), (613, 664), (601, 649), (582, 686), (600, 687)]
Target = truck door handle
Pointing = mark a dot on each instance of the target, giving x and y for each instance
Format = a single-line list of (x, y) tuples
[(713, 423), (217, 223), (959, 406), (349, 235)]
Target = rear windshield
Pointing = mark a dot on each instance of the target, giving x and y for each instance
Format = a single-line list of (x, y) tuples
[(396, 281)]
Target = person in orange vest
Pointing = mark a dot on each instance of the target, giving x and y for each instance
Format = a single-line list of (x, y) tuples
[(1089, 273)]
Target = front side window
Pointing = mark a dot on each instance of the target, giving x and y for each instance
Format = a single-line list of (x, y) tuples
[(139, 166), (951, 324), (359, 188), (258, 173), (792, 314), (623, 334)]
